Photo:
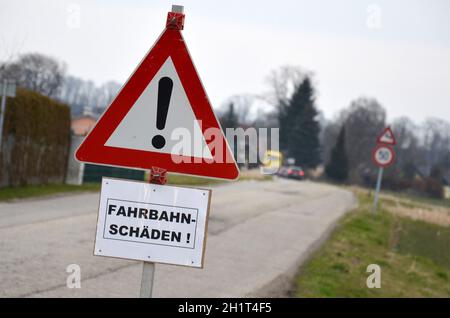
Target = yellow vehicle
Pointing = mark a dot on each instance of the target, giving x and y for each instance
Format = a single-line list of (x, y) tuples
[(271, 162)]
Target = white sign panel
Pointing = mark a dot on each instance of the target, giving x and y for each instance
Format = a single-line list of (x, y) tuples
[(135, 132), (150, 222), (10, 90)]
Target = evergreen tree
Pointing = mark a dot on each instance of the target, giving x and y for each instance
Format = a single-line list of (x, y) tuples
[(229, 119), (299, 128), (337, 168)]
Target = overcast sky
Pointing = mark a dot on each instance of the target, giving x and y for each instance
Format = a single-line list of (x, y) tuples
[(396, 51)]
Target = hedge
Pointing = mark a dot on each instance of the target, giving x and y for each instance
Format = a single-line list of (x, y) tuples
[(36, 140)]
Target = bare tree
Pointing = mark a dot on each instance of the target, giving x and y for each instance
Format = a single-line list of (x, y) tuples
[(37, 72), (243, 107), (407, 149), (108, 90), (436, 143), (283, 82), (82, 95), (329, 137), (71, 90), (364, 120)]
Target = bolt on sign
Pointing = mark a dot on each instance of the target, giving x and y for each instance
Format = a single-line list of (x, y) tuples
[(151, 222)]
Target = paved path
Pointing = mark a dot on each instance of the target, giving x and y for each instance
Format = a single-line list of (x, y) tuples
[(259, 233)]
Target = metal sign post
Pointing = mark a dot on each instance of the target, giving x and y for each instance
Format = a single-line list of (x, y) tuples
[(157, 176), (382, 156), (148, 272), (8, 89), (377, 190)]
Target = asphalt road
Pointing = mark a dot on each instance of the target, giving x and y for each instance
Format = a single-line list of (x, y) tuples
[(259, 233)]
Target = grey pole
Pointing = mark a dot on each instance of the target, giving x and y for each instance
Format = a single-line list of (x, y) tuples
[(177, 9), (2, 115), (148, 268), (377, 190), (148, 272)]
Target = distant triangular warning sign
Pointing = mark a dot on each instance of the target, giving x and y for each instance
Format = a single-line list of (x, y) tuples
[(387, 137), (162, 117)]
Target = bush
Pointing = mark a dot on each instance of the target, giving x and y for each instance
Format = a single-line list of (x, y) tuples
[(337, 168), (434, 188), (396, 184), (36, 140)]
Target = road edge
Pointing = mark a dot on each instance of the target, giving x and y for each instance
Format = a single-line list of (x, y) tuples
[(283, 286)]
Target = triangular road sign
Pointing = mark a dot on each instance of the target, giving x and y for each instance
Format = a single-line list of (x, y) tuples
[(387, 137), (146, 123)]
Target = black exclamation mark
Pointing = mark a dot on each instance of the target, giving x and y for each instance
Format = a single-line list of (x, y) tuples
[(165, 86), (188, 237)]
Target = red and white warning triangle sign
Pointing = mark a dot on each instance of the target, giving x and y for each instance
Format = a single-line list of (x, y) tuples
[(162, 117), (387, 137)]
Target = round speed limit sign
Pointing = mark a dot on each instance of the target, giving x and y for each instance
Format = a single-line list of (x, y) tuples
[(383, 156)]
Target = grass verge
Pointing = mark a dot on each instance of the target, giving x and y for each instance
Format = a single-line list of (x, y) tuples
[(419, 199), (175, 179), (44, 190), (414, 257), (12, 193)]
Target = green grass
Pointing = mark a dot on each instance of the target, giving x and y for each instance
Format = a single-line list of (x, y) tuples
[(175, 179), (417, 236), (44, 190), (413, 256)]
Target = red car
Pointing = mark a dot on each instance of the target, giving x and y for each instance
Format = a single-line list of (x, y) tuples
[(292, 172)]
